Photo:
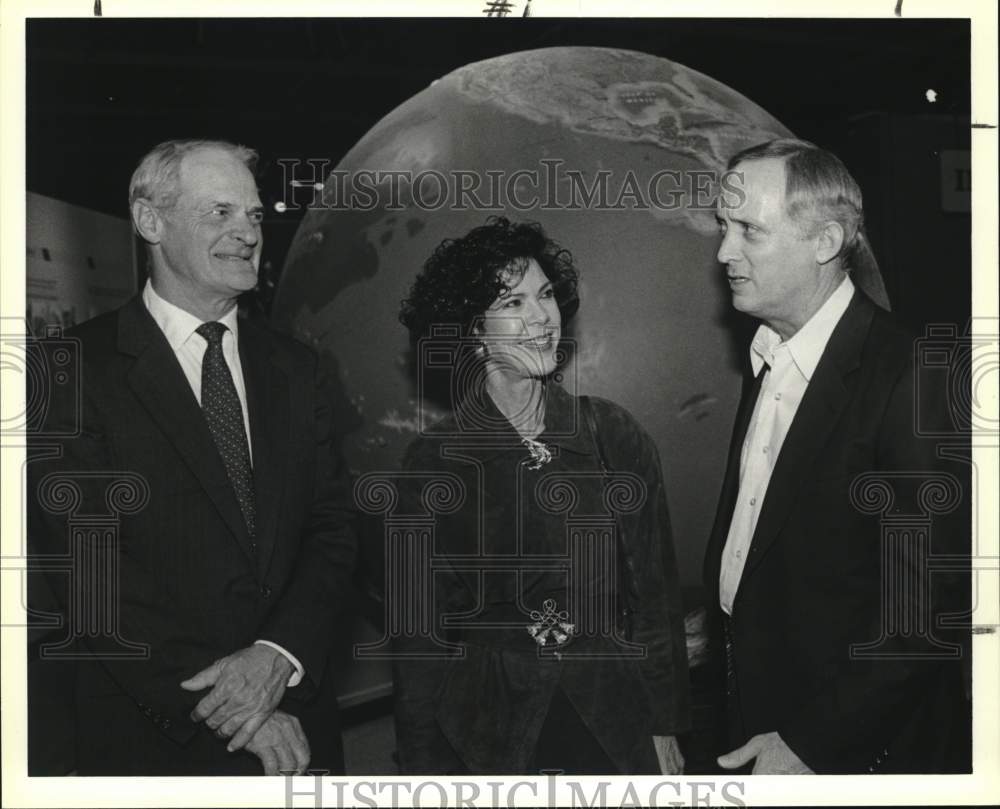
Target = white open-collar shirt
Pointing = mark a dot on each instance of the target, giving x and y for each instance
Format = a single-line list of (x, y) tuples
[(790, 365)]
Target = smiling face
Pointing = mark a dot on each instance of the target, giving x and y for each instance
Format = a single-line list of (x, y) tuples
[(210, 240), (771, 265), (520, 331)]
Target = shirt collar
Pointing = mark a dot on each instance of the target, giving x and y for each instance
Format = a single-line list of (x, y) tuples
[(806, 346), (176, 324)]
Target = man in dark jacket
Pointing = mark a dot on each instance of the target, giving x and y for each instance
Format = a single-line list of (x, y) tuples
[(205, 617), (818, 560)]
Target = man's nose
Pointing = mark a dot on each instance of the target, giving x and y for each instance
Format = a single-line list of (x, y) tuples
[(247, 229), (727, 248)]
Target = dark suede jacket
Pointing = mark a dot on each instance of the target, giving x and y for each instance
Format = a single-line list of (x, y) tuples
[(477, 700)]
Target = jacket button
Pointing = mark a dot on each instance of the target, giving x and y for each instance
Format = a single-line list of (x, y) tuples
[(166, 724), (265, 591), (253, 547)]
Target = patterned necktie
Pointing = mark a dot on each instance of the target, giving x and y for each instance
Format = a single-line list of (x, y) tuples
[(221, 406)]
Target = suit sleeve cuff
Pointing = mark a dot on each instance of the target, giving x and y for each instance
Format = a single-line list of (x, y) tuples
[(296, 677)]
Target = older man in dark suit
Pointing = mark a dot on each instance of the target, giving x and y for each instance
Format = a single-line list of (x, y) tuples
[(830, 667), (230, 576)]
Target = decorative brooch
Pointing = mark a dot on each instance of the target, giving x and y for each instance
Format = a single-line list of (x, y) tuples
[(540, 454), (551, 628)]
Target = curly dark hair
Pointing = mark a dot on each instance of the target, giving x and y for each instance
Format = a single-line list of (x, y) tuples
[(464, 276)]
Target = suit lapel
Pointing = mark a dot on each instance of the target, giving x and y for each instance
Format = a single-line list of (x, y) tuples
[(816, 417), (268, 405), (731, 483), (159, 383)]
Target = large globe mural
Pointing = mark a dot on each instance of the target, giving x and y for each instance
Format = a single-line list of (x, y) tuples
[(611, 151)]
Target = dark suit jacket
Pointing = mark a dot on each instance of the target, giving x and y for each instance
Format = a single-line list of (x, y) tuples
[(812, 584), (191, 585)]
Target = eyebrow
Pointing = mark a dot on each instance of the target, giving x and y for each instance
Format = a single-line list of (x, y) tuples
[(219, 203), (739, 220)]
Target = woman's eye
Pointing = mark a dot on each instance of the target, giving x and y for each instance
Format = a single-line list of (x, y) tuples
[(549, 293), (511, 304)]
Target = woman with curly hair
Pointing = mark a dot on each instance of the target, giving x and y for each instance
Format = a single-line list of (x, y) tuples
[(557, 636)]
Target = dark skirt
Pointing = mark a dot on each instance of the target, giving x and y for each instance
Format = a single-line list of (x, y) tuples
[(567, 745)]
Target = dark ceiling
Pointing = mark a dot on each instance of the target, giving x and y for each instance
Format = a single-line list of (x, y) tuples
[(100, 92)]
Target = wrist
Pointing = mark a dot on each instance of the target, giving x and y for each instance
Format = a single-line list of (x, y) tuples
[(281, 663), (296, 672)]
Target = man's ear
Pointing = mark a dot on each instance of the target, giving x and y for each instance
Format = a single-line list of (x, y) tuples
[(829, 242), (147, 220)]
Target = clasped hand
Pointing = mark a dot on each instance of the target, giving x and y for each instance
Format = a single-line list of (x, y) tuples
[(281, 745), (246, 689)]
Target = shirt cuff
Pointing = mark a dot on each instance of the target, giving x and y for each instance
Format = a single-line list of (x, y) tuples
[(296, 677)]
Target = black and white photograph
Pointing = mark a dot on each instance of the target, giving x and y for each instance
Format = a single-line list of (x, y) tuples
[(499, 408)]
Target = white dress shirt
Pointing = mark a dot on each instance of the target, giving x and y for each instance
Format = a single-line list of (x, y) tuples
[(180, 329), (790, 366)]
